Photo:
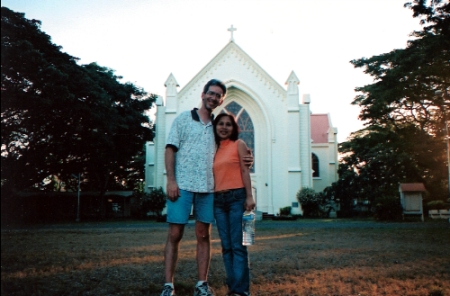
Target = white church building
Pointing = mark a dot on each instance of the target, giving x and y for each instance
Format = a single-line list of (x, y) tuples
[(292, 147)]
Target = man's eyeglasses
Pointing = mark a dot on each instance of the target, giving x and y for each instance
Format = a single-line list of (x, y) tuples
[(216, 95)]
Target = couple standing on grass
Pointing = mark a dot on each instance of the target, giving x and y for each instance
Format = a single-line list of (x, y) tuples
[(208, 167)]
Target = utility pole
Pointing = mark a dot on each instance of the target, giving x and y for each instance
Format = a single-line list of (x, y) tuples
[(78, 199), (445, 95), (78, 202), (447, 123)]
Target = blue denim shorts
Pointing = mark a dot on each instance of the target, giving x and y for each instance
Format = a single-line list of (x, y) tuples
[(178, 211)]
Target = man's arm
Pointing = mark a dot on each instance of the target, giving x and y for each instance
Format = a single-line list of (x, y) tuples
[(173, 192)]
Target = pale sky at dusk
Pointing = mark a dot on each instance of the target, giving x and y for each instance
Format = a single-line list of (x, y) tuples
[(146, 40)]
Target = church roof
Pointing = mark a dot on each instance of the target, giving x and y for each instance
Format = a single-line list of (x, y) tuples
[(232, 49), (412, 187), (320, 125)]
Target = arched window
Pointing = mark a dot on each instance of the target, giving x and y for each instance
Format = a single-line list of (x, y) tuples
[(315, 165), (247, 133)]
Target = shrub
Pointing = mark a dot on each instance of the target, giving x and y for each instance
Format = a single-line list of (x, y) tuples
[(154, 202), (388, 208), (437, 205), (310, 202), (286, 211)]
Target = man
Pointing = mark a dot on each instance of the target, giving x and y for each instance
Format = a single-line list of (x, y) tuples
[(189, 157)]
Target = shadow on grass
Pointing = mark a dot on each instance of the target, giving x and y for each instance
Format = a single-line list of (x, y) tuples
[(307, 256)]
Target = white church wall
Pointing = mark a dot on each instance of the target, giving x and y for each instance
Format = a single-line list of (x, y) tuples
[(282, 134), (150, 165), (328, 165), (294, 162), (293, 141), (321, 151), (262, 122), (333, 154), (305, 145), (263, 101), (157, 160), (160, 143)]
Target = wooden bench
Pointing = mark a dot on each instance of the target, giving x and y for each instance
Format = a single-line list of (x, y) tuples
[(444, 214), (434, 214)]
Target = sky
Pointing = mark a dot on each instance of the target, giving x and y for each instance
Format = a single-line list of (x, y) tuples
[(145, 41)]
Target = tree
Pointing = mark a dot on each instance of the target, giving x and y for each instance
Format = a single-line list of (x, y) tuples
[(377, 159), (412, 85), (155, 202), (405, 110), (60, 118), (344, 191)]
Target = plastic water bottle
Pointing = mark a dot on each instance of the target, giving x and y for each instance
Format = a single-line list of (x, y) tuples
[(248, 228)]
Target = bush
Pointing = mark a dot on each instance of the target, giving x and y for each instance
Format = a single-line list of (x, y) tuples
[(310, 202), (388, 208), (286, 211), (154, 202), (437, 205)]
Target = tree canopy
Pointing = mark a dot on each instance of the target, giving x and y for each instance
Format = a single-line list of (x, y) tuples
[(411, 85), (60, 118), (405, 110)]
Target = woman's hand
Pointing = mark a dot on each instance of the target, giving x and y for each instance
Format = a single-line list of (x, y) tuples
[(250, 203)]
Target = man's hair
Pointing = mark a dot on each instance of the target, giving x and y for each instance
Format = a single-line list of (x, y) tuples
[(234, 134), (215, 82)]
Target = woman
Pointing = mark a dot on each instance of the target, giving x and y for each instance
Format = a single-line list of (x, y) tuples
[(233, 196)]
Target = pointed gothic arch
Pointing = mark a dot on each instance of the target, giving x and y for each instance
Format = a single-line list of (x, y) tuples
[(262, 139)]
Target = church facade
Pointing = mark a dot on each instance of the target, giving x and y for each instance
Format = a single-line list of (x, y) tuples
[(292, 147)]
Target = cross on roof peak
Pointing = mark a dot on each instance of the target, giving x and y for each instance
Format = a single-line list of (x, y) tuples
[(231, 29)]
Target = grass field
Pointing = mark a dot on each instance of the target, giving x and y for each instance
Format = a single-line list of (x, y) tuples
[(303, 257)]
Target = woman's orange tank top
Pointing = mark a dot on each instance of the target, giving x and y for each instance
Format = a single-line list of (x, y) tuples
[(227, 167)]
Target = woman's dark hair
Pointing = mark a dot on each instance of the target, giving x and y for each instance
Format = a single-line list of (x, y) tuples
[(215, 82), (234, 134)]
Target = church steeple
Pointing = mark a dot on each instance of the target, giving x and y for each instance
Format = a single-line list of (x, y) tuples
[(292, 91), (171, 85)]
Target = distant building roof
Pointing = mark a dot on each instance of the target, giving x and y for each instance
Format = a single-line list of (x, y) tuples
[(320, 125), (409, 187)]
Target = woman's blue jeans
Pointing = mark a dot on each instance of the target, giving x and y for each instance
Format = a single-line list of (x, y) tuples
[(228, 211)]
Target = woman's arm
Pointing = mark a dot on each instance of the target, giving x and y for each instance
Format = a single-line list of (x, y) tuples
[(243, 151)]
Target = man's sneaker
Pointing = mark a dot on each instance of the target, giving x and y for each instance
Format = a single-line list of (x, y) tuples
[(203, 290), (168, 291)]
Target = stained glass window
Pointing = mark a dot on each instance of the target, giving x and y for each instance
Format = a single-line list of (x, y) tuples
[(245, 123)]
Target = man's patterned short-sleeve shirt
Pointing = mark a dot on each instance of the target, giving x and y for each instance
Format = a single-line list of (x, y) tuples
[(195, 146)]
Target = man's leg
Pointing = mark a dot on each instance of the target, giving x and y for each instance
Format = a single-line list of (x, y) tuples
[(177, 217), (203, 233), (171, 250), (204, 216)]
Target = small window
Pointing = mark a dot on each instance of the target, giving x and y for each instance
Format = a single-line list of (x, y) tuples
[(315, 165)]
